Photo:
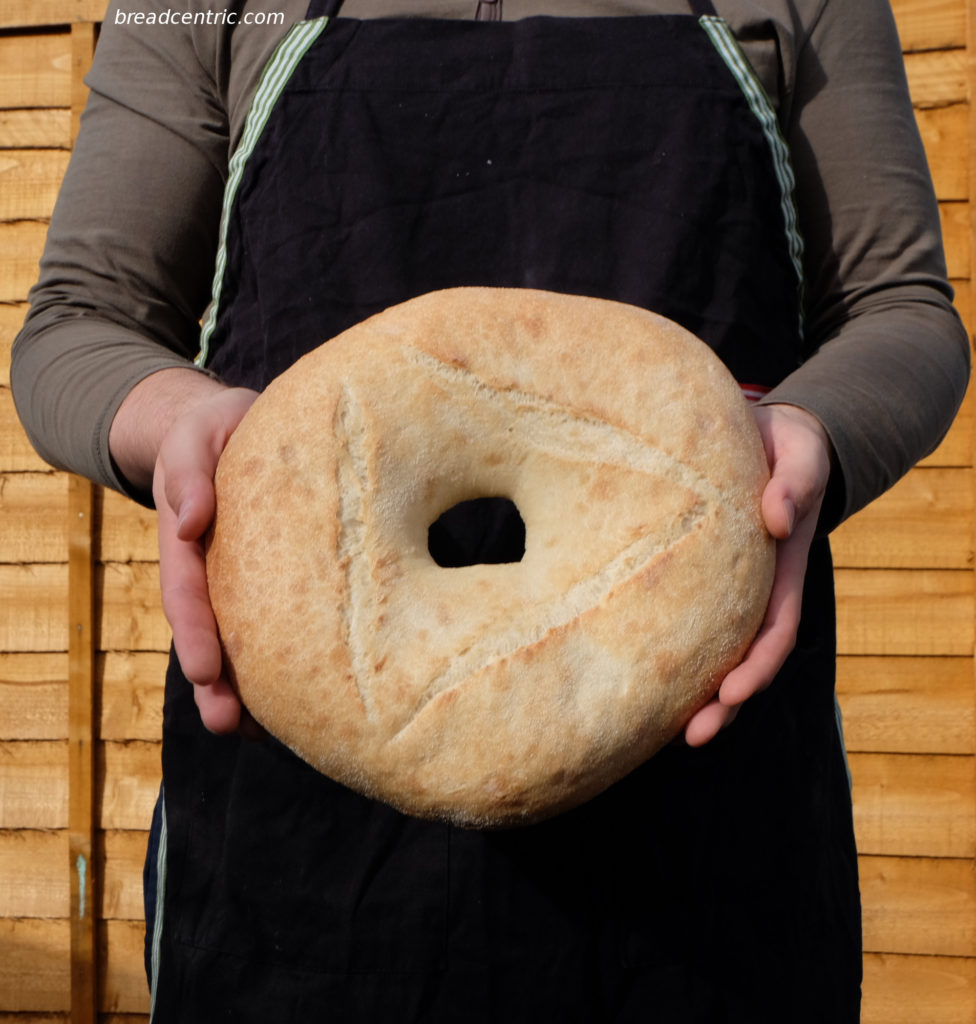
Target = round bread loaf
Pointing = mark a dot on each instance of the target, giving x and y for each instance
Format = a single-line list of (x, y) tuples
[(490, 694)]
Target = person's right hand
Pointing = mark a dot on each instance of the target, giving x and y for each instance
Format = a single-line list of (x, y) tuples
[(175, 425), (183, 488)]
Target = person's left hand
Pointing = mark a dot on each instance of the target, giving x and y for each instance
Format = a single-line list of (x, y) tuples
[(799, 455)]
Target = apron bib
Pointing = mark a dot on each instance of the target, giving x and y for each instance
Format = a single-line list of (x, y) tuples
[(622, 158)]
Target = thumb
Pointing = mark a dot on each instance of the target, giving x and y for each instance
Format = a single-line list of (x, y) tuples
[(799, 455)]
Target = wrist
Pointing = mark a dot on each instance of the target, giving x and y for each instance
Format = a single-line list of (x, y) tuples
[(148, 412)]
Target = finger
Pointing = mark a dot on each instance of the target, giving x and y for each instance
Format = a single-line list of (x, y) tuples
[(219, 706), (190, 453), (707, 723), (779, 508), (799, 455), (186, 604), (188, 484), (186, 601), (777, 635)]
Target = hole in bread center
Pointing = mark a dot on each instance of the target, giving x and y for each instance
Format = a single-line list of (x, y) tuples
[(481, 531)]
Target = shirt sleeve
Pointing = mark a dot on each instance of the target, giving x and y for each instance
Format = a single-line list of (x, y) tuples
[(127, 266), (888, 359)]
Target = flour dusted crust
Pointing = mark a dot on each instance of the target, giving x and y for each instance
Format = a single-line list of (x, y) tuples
[(490, 694)]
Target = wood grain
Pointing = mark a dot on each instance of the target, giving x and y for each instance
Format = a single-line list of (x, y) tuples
[(34, 965), (22, 243), (945, 135), (35, 129), (905, 705), (904, 612), (895, 531), (11, 320), (29, 182), (34, 784), (33, 880), (34, 508), (127, 530), (34, 607), (82, 700), (33, 696), (919, 906), (930, 24), (131, 608), (914, 805), (20, 13), (937, 78), (918, 989)]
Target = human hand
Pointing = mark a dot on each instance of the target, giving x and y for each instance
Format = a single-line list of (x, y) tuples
[(167, 435), (799, 455), (183, 489)]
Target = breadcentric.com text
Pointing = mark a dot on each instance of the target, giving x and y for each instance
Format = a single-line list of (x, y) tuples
[(224, 17)]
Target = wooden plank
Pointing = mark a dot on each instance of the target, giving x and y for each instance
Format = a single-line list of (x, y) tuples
[(16, 453), (918, 906), (34, 1018), (11, 320), (916, 989), (895, 531), (33, 696), (963, 301), (131, 690), (35, 69), (131, 609), (29, 182), (34, 507), (33, 880), (34, 608), (937, 78), (34, 785), (128, 779), (82, 50), (34, 965), (35, 128), (22, 243), (127, 530), (945, 135), (914, 805), (930, 24), (907, 705), (956, 238), (904, 611), (123, 982), (956, 448), (28, 13), (125, 854), (81, 753)]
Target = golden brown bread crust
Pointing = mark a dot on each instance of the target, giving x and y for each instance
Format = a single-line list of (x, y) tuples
[(490, 694)]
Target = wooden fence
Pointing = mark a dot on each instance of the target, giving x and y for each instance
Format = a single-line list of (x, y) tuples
[(83, 640)]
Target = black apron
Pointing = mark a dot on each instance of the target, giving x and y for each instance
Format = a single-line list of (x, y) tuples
[(613, 157)]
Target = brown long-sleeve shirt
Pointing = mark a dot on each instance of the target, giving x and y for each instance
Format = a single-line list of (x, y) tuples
[(129, 260)]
